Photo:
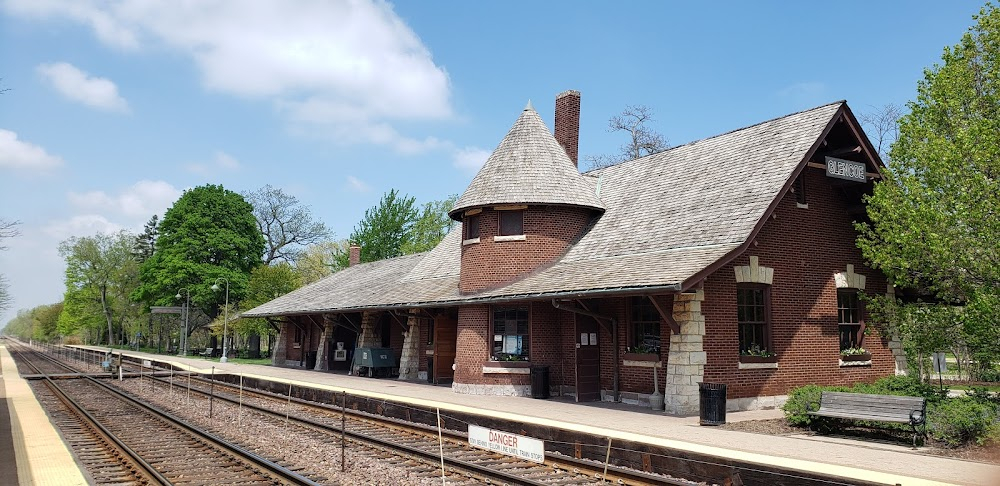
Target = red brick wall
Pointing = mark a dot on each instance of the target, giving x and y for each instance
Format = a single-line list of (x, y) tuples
[(806, 247), (549, 231)]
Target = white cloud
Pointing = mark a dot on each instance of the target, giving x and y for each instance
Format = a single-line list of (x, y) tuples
[(82, 225), (357, 184), (137, 202), (226, 161), (346, 64), (79, 86), (469, 159), (16, 154)]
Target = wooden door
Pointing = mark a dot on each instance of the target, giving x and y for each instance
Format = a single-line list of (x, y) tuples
[(588, 359), (445, 341)]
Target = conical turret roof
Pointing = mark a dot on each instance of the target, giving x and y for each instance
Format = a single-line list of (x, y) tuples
[(528, 167)]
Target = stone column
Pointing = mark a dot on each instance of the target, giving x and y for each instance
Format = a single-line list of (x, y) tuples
[(280, 354), (409, 362), (323, 351), (367, 337), (686, 360)]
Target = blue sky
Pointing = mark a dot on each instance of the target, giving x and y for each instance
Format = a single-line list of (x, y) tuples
[(115, 107)]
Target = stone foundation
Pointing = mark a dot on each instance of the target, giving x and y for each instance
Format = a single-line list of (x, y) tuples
[(496, 390), (755, 403), (409, 362)]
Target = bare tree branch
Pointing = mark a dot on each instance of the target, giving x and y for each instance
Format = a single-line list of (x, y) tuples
[(286, 224), (882, 125), (642, 141)]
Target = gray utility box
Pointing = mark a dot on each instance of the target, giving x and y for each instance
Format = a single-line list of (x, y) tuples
[(374, 361)]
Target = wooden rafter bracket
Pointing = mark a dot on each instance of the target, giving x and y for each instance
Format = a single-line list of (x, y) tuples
[(666, 316)]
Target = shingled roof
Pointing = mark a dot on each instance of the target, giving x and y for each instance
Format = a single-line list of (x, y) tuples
[(528, 167), (669, 216)]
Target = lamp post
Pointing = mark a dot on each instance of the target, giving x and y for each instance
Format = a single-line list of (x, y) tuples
[(225, 321), (187, 310)]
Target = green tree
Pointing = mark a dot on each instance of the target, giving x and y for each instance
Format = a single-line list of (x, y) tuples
[(46, 317), (267, 282), (319, 260), (934, 224), (286, 224), (105, 266), (384, 230), (430, 227), (145, 243), (208, 233)]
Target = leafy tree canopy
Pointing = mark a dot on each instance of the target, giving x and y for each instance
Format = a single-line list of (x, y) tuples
[(319, 260), (430, 227), (209, 233), (934, 218), (267, 282), (103, 268), (384, 230)]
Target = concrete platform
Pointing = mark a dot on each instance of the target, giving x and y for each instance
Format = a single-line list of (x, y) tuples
[(41, 456), (855, 459)]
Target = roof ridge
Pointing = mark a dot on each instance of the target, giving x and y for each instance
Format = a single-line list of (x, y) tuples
[(721, 134)]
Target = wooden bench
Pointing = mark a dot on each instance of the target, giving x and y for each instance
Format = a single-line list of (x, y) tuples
[(875, 408), (208, 352)]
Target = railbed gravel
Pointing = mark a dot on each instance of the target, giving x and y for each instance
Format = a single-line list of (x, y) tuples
[(301, 452)]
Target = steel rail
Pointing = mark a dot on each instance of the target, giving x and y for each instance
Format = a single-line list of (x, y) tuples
[(562, 462), (95, 425)]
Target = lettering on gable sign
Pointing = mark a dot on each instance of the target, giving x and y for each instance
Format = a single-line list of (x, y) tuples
[(845, 169)]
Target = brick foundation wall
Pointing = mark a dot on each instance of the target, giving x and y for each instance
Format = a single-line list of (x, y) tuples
[(548, 230), (806, 248)]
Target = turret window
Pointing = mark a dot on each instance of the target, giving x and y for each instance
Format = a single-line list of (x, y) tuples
[(472, 227), (511, 223)]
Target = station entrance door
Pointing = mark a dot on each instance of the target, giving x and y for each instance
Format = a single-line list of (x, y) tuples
[(588, 359), (445, 342)]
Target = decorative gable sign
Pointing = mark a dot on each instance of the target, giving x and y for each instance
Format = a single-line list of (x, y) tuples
[(845, 169)]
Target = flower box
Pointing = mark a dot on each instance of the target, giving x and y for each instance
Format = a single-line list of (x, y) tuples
[(507, 364), (758, 359), (641, 357), (856, 357)]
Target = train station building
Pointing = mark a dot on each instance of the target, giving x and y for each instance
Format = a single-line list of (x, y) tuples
[(727, 260)]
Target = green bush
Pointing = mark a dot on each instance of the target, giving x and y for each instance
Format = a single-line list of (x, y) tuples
[(957, 421), (797, 407), (906, 386)]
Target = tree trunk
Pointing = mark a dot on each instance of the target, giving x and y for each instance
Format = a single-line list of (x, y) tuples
[(255, 346), (107, 315)]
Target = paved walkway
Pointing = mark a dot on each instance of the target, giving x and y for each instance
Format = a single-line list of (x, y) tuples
[(41, 456), (891, 464)]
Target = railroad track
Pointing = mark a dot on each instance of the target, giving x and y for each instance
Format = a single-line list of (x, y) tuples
[(123, 441), (414, 446)]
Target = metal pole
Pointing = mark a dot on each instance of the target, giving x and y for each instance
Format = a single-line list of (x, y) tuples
[(239, 415), (288, 404), (441, 446), (211, 395), (343, 427), (607, 458)]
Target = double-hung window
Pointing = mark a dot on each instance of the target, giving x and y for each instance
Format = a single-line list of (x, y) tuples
[(645, 336), (510, 333), (849, 318), (753, 317)]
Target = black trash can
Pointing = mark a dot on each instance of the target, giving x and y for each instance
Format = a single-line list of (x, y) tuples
[(712, 403), (430, 369), (539, 382), (311, 360)]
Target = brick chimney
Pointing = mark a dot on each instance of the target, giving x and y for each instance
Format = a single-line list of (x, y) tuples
[(354, 255), (568, 123)]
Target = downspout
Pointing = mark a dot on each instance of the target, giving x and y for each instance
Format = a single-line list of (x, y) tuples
[(614, 337)]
